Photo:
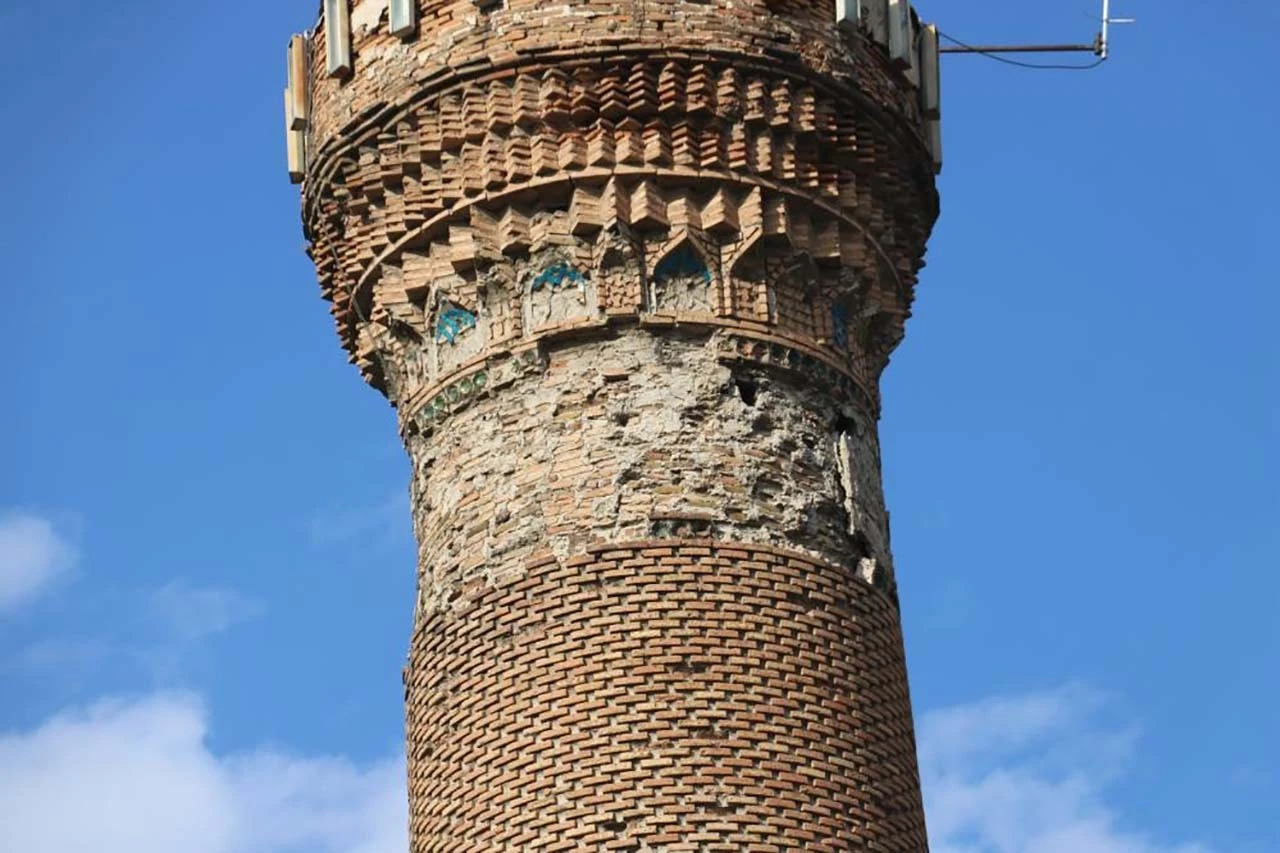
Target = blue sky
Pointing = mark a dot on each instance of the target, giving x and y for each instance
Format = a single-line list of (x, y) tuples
[(206, 565)]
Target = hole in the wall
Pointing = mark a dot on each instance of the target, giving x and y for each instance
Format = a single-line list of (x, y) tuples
[(665, 528), (689, 667), (404, 333), (747, 390), (861, 545), (722, 808), (694, 414), (767, 487), (845, 425), (803, 601)]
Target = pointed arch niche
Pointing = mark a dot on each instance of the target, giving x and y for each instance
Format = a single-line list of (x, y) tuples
[(458, 332), (556, 288), (682, 280), (773, 283)]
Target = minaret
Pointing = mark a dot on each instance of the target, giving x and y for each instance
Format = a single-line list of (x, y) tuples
[(629, 273)]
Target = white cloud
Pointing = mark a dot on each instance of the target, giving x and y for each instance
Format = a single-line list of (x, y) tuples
[(388, 519), (195, 612), (155, 632), (1029, 774), (32, 555), (138, 777), (1023, 774)]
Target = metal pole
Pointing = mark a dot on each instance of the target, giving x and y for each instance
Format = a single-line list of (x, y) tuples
[(1106, 28)]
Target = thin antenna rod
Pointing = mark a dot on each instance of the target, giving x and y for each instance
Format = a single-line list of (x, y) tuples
[(1103, 37), (1022, 48), (1101, 46)]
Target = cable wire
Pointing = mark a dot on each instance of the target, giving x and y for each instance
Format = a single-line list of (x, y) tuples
[(1034, 65)]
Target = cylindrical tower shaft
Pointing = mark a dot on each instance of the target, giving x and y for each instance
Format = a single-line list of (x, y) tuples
[(629, 274)]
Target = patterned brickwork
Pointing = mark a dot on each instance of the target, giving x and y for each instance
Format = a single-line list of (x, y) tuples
[(468, 161), (458, 37), (630, 273), (675, 696), (782, 309)]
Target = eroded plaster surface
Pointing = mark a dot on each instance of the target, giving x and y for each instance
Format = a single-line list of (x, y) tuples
[(642, 436)]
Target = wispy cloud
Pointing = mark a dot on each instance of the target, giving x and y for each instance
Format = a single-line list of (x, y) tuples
[(189, 613), (377, 522), (1030, 774), (33, 554), (59, 653), (153, 629), (138, 777)]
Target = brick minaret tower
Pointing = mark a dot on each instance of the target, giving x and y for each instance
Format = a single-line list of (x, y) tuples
[(629, 273)]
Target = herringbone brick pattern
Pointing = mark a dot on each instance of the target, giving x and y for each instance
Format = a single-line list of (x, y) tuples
[(670, 695)]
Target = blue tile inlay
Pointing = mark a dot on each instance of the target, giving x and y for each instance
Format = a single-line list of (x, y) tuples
[(555, 275), (840, 326), (453, 321), (684, 261)]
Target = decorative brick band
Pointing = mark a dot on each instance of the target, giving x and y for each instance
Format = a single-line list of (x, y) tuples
[(348, 113), (492, 372), (671, 695), (456, 175)]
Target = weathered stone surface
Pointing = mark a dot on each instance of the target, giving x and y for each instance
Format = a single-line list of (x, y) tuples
[(630, 272), (661, 443)]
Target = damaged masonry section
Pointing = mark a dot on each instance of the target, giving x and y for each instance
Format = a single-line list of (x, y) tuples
[(642, 437)]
